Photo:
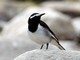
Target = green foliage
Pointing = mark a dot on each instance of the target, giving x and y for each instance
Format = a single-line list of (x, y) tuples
[(35, 1), (21, 0), (38, 1)]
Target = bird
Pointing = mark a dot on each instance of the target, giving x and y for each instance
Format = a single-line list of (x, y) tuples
[(39, 31)]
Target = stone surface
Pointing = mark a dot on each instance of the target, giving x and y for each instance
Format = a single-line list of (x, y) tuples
[(70, 8), (76, 25), (49, 55)]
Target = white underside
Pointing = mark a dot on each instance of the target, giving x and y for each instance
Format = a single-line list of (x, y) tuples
[(41, 36)]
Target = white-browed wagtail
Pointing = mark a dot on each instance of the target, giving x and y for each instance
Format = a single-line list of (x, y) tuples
[(39, 31)]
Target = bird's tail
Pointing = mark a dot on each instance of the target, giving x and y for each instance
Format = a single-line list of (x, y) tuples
[(61, 47), (57, 44)]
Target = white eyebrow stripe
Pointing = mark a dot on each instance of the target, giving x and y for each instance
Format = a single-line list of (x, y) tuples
[(34, 16)]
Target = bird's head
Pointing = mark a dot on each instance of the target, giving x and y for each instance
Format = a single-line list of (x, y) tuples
[(35, 18)]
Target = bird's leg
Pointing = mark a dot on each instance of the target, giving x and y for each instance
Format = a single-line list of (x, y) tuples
[(47, 46), (41, 46)]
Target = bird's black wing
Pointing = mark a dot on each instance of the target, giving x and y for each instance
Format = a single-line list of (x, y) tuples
[(46, 26)]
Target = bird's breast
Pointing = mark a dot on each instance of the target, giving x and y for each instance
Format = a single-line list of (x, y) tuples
[(41, 35)]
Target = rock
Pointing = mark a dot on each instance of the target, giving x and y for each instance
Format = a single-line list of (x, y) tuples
[(76, 25), (49, 55), (8, 10), (70, 8), (63, 29)]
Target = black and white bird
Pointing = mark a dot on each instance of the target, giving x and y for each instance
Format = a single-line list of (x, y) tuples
[(39, 31)]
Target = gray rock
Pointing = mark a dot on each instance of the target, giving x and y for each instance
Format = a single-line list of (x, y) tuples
[(69, 8), (76, 25), (49, 55)]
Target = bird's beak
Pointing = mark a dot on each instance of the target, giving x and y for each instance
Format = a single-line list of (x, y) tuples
[(42, 14)]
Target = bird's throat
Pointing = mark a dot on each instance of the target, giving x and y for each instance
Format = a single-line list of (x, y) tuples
[(32, 28)]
